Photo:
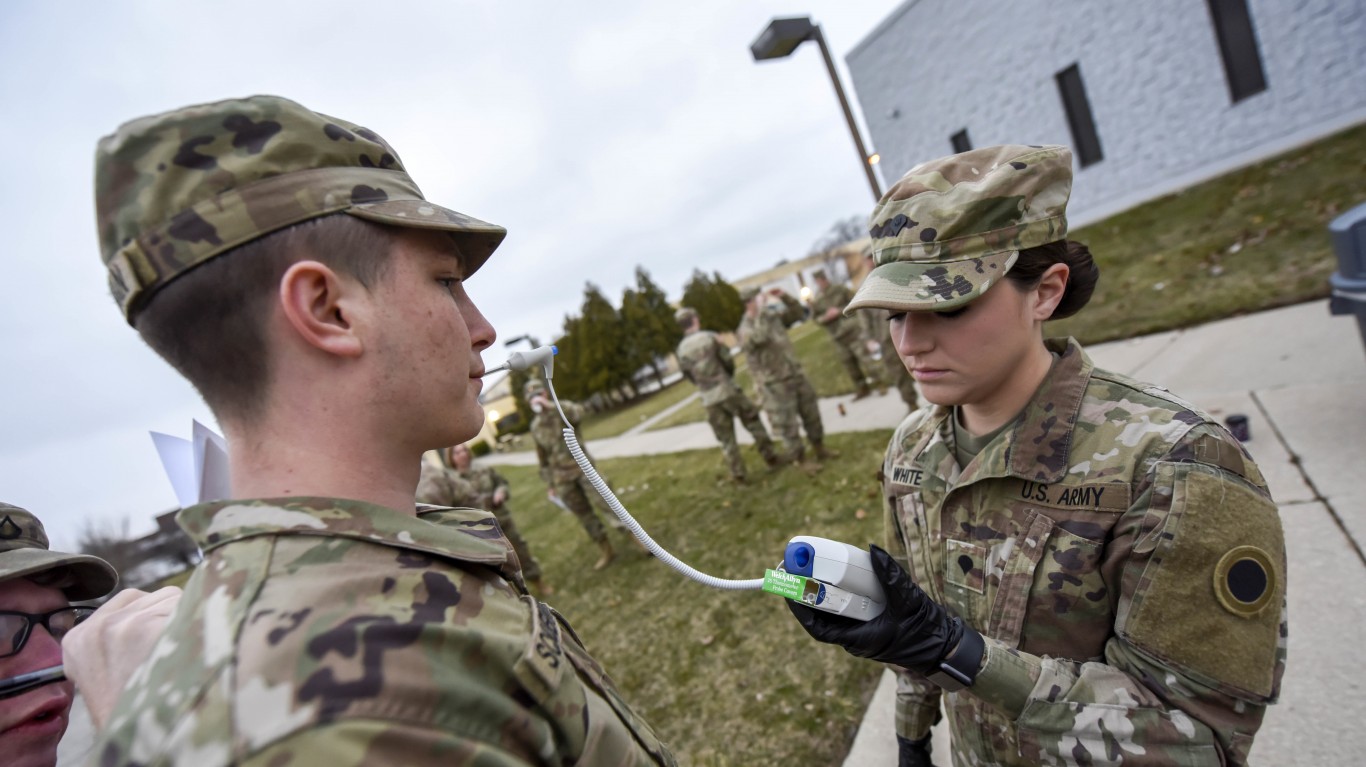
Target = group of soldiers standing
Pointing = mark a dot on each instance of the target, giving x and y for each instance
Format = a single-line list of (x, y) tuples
[(781, 385)]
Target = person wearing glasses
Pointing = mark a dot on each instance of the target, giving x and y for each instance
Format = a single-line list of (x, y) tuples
[(37, 587)]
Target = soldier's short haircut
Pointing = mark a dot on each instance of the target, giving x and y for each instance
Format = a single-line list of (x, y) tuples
[(210, 323), (1083, 274)]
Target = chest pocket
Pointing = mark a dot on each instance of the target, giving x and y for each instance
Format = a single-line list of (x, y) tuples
[(1068, 611)]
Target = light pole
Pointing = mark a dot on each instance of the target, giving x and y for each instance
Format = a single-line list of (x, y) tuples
[(778, 40)]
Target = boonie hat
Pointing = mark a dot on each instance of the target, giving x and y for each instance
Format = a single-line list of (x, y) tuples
[(952, 227), (177, 189), (24, 553)]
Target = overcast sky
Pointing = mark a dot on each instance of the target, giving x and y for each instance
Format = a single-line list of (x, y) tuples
[(602, 135)]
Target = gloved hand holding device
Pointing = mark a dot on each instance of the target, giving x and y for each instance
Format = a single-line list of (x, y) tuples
[(913, 632)]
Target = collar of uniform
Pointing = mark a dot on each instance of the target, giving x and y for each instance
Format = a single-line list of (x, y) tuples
[(1042, 436), (470, 536), (1038, 441)]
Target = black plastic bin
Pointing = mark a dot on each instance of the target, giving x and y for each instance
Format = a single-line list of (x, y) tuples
[(1349, 281)]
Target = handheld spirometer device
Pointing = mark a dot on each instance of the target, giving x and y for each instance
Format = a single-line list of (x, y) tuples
[(818, 572)]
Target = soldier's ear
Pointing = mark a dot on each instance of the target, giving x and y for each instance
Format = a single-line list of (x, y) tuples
[(1048, 293), (324, 309)]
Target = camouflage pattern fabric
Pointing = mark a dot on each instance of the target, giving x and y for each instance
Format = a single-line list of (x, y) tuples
[(848, 337), (708, 364), (721, 417), (474, 489), (177, 189), (320, 631), (876, 328), (768, 350), (792, 403), (952, 227), (561, 472), (1119, 551), (24, 553), (781, 386)]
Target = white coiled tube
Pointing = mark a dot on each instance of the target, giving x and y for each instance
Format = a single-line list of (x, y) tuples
[(571, 441)]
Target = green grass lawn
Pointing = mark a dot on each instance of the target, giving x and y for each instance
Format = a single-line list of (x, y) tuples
[(1254, 239), (726, 678)]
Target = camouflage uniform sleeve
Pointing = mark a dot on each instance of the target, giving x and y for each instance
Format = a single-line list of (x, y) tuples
[(542, 458), (723, 355), (1198, 649), (573, 412), (499, 481)]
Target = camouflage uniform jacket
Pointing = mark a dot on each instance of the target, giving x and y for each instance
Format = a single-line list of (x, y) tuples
[(768, 350), (441, 486), (845, 329), (708, 364), (484, 483), (1088, 542), (547, 431), (329, 632)]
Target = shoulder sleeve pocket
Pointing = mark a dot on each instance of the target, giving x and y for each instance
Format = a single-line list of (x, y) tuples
[(1208, 600)]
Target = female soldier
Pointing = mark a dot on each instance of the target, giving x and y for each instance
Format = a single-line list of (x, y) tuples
[(1095, 572)]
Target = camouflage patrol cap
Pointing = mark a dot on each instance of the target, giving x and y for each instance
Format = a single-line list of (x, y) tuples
[(176, 189), (685, 314), (747, 294), (951, 228), (24, 553), (532, 386), (819, 274)]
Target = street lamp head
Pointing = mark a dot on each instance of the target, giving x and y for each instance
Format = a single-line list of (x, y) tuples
[(781, 37)]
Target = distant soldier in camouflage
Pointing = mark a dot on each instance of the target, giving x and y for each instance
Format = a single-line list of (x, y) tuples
[(561, 472), (780, 384), (456, 482), (828, 309), (876, 330), (285, 262), (1090, 567), (708, 364)]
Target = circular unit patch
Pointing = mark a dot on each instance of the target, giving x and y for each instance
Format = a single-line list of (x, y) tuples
[(1245, 581)]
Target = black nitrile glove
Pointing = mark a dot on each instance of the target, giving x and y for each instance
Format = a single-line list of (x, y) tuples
[(914, 632), (913, 753)]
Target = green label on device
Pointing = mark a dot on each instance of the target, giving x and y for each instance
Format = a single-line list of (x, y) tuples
[(784, 584)]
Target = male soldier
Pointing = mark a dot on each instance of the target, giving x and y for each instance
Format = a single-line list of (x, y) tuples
[(286, 263), (560, 471), (457, 482), (828, 309), (783, 389), (37, 587), (876, 330), (708, 364)]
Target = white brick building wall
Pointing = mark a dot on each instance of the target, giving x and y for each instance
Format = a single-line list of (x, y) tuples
[(1152, 72)]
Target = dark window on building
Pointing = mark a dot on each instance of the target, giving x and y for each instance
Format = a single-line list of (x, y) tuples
[(961, 142), (1238, 47), (1085, 140)]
